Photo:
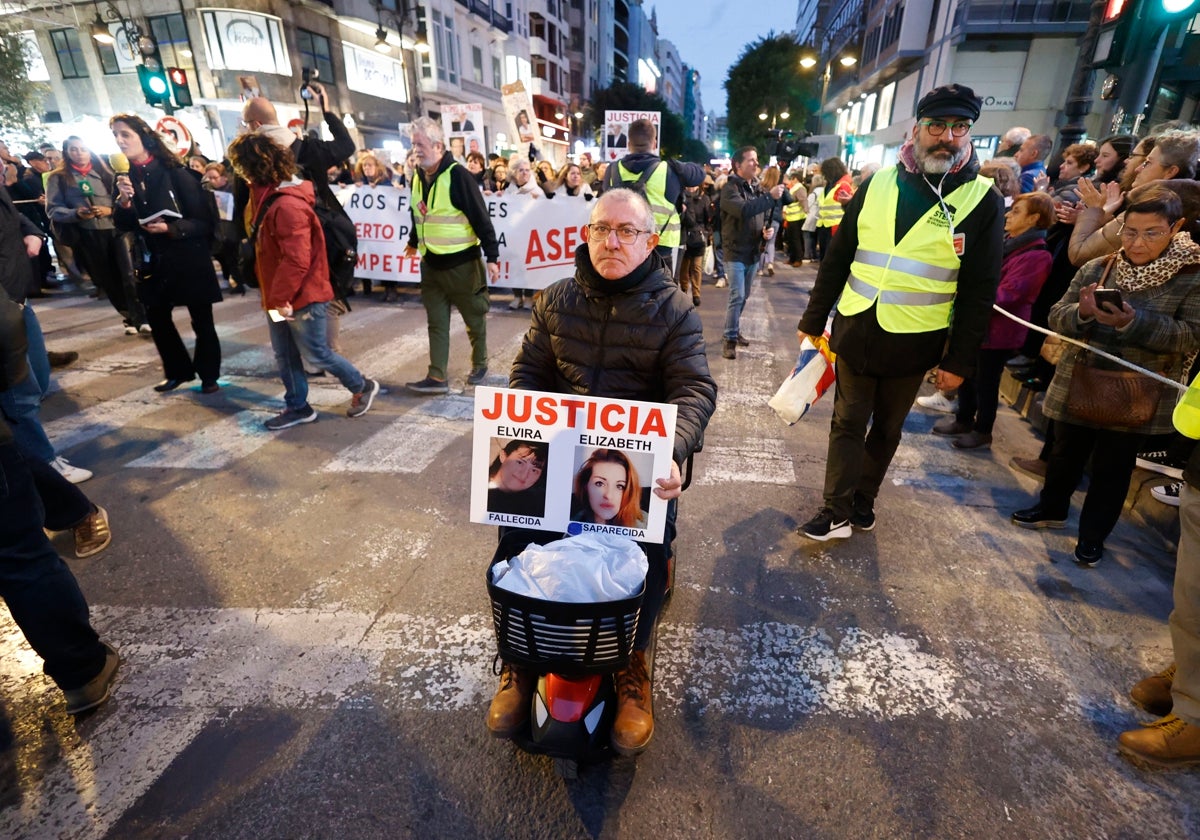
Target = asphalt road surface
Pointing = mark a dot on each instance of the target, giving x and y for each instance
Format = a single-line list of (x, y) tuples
[(308, 649)]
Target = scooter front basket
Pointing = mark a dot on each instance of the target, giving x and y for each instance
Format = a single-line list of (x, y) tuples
[(593, 638)]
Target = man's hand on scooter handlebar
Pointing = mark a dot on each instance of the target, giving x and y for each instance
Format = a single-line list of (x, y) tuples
[(669, 488)]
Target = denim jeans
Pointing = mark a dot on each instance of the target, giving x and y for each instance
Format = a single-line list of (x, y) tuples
[(304, 339), (740, 277), (42, 594), (22, 403)]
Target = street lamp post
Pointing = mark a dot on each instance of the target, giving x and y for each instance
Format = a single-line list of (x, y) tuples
[(420, 44), (810, 61)]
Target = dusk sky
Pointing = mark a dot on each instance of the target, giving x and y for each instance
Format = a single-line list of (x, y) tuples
[(711, 36)]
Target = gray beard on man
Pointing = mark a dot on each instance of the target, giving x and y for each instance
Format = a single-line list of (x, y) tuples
[(931, 165)]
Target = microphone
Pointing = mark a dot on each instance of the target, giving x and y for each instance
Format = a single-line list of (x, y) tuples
[(119, 163)]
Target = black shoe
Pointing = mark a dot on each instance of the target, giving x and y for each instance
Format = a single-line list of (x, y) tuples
[(291, 417), (743, 341), (1088, 553), (428, 386), (476, 375), (58, 360), (1038, 517), (97, 691), (825, 526), (210, 387), (862, 513), (729, 349), (171, 384)]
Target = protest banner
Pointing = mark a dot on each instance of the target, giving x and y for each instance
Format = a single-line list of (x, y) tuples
[(570, 464), (519, 111), (616, 128), (537, 236)]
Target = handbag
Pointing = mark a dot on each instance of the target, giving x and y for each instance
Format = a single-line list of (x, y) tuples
[(1102, 397)]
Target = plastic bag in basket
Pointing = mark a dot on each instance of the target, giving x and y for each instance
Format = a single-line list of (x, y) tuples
[(809, 379), (586, 569)]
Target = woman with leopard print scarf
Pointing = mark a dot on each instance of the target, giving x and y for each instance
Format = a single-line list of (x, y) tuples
[(1157, 271)]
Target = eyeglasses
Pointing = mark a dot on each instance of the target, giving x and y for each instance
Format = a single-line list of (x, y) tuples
[(1150, 237), (626, 234), (937, 128)]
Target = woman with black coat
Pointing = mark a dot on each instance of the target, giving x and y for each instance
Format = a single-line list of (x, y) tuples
[(174, 219)]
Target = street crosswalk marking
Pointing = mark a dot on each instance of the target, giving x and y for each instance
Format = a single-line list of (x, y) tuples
[(755, 460), (184, 667)]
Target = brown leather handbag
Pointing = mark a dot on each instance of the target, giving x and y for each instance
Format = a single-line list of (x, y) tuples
[(1101, 397)]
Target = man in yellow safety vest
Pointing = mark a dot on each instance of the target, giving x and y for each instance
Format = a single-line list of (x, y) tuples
[(453, 232), (913, 271)]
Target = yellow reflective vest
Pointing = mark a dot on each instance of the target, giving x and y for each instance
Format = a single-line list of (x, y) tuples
[(441, 227), (912, 282), (666, 220), (830, 212), (795, 210)]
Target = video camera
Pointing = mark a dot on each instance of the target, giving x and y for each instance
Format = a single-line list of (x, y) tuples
[(308, 75), (787, 146)]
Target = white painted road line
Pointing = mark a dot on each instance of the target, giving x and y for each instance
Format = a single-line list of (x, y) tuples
[(756, 461)]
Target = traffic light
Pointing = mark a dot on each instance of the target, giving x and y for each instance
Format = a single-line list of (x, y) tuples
[(154, 85), (1169, 10), (179, 87)]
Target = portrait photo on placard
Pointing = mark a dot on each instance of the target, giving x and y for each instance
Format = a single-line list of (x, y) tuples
[(517, 477), (611, 486)]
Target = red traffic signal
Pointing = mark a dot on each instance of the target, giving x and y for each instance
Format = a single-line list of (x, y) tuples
[(179, 86)]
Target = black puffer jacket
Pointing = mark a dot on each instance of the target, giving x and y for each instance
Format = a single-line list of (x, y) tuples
[(638, 338)]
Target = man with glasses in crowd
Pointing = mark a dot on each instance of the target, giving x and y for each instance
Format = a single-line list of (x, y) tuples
[(912, 271), (621, 328)]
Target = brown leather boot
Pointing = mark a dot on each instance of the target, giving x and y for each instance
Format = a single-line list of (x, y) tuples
[(510, 706), (634, 726), (1153, 694), (1168, 742)]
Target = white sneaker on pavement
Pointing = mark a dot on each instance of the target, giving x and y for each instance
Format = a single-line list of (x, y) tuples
[(938, 402), (1168, 494), (73, 474)]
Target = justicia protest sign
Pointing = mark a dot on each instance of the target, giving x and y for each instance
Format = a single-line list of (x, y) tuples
[(570, 464)]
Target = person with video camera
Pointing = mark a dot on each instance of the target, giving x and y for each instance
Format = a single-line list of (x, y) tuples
[(314, 157)]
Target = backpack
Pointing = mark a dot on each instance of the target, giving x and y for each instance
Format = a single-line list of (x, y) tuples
[(341, 247), (613, 179)]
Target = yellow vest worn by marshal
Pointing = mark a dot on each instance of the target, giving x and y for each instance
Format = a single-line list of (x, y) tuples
[(830, 211), (914, 281), (794, 211), (666, 220), (442, 228)]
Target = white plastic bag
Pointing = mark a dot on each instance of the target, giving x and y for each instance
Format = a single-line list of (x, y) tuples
[(809, 379), (586, 569)]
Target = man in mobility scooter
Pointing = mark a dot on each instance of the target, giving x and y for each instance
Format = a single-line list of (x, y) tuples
[(622, 328)]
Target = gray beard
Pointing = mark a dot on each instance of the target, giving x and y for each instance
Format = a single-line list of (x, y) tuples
[(939, 166)]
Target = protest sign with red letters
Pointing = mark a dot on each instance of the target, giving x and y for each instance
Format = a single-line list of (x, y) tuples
[(537, 235), (570, 464)]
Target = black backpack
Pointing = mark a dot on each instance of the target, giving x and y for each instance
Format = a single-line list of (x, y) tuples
[(341, 247), (613, 179)]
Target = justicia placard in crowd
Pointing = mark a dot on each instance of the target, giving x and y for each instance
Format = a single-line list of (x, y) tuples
[(570, 463), (537, 237)]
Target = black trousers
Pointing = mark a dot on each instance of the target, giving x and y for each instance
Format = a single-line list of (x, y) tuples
[(858, 459), (979, 396), (1113, 457), (66, 505), (177, 363), (104, 255), (41, 593)]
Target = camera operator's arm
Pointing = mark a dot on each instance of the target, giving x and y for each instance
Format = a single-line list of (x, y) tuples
[(322, 154)]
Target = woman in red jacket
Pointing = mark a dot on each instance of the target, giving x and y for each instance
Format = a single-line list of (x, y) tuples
[(293, 272), (1025, 268)]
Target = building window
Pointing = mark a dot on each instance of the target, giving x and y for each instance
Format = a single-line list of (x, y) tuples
[(446, 47), (537, 26), (497, 72), (170, 33), (108, 58), (477, 64), (424, 59), (70, 54), (316, 52)]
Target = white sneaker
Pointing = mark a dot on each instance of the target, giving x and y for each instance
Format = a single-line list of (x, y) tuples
[(130, 329), (1168, 494), (73, 474), (145, 328), (721, 283), (938, 402)]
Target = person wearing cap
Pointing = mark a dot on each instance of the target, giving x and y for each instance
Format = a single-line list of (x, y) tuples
[(912, 272)]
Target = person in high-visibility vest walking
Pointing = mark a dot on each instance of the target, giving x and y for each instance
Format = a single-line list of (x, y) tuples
[(839, 190), (794, 214), (453, 231), (912, 272)]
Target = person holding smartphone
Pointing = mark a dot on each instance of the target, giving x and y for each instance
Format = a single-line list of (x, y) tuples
[(1142, 304)]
